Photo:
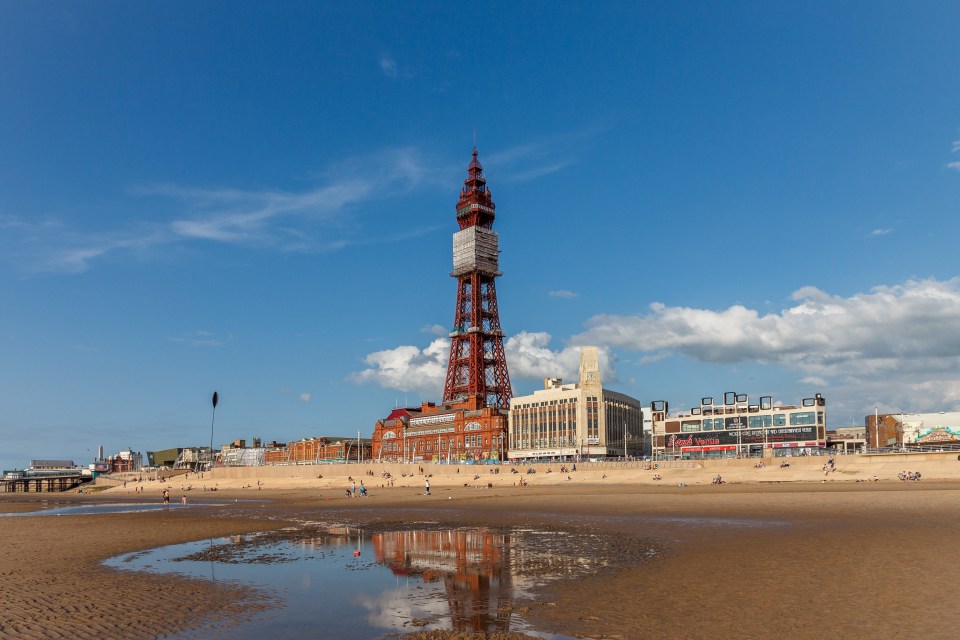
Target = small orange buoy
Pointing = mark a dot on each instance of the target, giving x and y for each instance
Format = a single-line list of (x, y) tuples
[(356, 553)]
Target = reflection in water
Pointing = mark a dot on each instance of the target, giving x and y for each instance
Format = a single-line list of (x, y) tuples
[(473, 565), (460, 579)]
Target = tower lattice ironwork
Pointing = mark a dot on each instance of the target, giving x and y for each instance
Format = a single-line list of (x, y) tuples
[(478, 366)]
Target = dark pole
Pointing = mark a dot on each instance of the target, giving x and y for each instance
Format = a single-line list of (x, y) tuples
[(216, 399)]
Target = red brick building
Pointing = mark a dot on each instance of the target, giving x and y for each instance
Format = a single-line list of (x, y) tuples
[(457, 432)]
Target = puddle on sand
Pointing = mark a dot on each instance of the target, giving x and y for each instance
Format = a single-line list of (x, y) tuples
[(352, 584)]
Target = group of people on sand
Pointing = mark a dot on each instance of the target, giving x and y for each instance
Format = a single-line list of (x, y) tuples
[(166, 498), (355, 492), (908, 475)]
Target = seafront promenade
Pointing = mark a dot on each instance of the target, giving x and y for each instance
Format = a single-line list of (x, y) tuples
[(803, 469)]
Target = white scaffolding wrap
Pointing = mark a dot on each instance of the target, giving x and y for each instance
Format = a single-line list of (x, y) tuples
[(475, 249)]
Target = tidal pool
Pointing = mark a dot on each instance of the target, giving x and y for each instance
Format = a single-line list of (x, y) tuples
[(342, 582)]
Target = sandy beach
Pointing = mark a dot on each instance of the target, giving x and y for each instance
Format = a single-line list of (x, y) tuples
[(838, 557)]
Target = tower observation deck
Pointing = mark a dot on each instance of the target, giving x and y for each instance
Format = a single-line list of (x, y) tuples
[(478, 366)]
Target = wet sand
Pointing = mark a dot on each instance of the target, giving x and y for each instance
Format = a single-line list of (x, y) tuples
[(801, 560)]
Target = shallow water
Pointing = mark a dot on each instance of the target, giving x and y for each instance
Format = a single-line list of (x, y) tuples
[(346, 583), (92, 509)]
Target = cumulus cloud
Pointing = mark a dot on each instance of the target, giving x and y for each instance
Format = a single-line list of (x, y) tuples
[(409, 368), (894, 344), (904, 336), (529, 356)]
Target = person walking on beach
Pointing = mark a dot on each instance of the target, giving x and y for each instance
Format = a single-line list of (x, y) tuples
[(428, 487), (166, 497)]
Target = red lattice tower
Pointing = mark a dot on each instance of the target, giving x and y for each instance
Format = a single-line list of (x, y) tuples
[(478, 366)]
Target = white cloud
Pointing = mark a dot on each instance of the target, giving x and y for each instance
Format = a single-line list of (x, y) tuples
[(562, 293), (408, 368), (435, 329), (529, 356), (954, 165), (894, 337), (881, 232), (305, 397)]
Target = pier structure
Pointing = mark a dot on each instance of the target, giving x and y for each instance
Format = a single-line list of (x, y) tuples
[(21, 483)]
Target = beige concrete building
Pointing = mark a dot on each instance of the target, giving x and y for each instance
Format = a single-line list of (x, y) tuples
[(575, 421)]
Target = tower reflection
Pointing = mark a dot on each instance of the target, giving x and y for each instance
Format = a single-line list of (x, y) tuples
[(474, 565)]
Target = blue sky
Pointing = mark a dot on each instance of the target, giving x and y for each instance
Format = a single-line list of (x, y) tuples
[(258, 198)]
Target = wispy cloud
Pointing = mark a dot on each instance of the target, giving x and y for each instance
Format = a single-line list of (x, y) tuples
[(955, 149), (388, 66), (304, 397), (562, 293), (881, 232), (542, 157), (310, 220), (262, 217), (197, 339)]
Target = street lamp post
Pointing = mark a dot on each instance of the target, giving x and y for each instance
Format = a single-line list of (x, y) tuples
[(215, 400)]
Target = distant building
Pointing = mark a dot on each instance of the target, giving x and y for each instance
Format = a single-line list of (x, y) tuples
[(847, 438), (319, 449), (44, 465), (913, 430), (125, 461), (575, 421), (735, 427), (164, 457)]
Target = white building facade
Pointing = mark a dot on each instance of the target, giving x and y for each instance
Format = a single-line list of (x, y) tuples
[(575, 421)]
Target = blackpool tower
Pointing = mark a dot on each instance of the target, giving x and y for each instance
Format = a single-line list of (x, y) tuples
[(477, 371)]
